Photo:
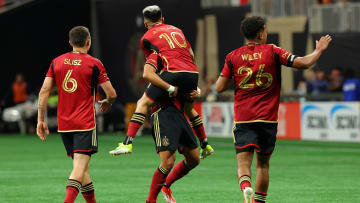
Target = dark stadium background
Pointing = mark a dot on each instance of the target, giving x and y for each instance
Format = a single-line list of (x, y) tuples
[(34, 34)]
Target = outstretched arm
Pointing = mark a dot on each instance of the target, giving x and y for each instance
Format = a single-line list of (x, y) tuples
[(308, 60), (44, 94)]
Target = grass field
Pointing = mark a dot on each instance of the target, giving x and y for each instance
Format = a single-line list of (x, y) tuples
[(32, 171)]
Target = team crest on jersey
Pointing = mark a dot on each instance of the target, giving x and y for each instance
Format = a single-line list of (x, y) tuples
[(165, 141)]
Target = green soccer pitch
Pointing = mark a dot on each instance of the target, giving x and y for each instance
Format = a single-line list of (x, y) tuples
[(301, 171)]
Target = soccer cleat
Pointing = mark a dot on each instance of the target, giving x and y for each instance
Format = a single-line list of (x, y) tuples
[(248, 195), (121, 149), (166, 191), (207, 151)]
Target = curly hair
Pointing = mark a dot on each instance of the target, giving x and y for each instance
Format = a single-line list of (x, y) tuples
[(251, 26)]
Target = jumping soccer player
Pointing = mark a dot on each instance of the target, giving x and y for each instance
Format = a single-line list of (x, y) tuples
[(76, 75), (256, 69), (171, 131), (179, 70)]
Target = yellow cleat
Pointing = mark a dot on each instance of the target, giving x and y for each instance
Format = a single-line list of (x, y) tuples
[(207, 151), (121, 149)]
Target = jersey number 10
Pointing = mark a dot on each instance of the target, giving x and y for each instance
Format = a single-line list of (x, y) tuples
[(173, 37), (67, 80)]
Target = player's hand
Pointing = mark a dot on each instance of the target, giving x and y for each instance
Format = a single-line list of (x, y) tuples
[(174, 93), (105, 105), (323, 43), (42, 130), (195, 94)]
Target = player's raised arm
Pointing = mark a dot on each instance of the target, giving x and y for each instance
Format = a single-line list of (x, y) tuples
[(308, 60), (44, 94)]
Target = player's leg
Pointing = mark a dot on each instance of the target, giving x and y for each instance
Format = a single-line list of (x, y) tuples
[(190, 150), (152, 94), (267, 142), (74, 183), (262, 177), (87, 188), (244, 160), (183, 167), (159, 177), (198, 127), (246, 140)]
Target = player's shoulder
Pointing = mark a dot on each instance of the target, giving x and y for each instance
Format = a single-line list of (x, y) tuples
[(236, 52), (61, 57), (94, 60)]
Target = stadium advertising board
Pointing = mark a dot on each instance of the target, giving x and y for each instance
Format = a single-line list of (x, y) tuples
[(330, 121), (289, 121), (218, 118)]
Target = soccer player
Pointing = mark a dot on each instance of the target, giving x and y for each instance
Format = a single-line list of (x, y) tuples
[(171, 131), (256, 69), (179, 70), (76, 75)]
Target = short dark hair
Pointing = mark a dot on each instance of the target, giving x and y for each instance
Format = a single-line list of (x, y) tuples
[(78, 36), (152, 13), (251, 26)]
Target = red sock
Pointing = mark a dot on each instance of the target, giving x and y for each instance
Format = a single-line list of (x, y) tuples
[(89, 196), (198, 128), (179, 171), (72, 190), (244, 181), (137, 120), (260, 197), (71, 194), (156, 183)]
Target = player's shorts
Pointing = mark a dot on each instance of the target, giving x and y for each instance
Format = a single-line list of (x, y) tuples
[(80, 142), (257, 136), (171, 131), (186, 81)]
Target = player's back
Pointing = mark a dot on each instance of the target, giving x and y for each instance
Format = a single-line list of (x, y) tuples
[(170, 42), (76, 77), (257, 72)]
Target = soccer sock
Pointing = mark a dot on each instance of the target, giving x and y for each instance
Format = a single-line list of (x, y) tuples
[(260, 197), (156, 183), (179, 171), (72, 190), (137, 120), (197, 125), (244, 181), (88, 193)]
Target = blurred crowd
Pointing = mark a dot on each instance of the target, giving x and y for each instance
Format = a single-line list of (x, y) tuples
[(335, 1), (317, 82)]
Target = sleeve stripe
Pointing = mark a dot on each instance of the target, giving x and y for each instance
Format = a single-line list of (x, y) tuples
[(152, 65)]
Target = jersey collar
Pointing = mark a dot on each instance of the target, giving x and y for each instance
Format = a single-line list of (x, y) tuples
[(250, 44)]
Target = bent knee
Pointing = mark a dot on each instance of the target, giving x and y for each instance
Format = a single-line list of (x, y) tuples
[(168, 164), (193, 162)]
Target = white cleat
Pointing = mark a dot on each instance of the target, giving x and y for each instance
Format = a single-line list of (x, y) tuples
[(248, 195)]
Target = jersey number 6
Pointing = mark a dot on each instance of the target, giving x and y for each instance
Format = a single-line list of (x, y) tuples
[(260, 74), (67, 80)]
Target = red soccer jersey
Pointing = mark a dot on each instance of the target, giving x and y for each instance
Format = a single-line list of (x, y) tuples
[(77, 76), (256, 69), (171, 44)]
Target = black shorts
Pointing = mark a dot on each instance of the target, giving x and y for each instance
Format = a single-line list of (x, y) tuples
[(80, 142), (171, 131), (257, 136), (186, 82)]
